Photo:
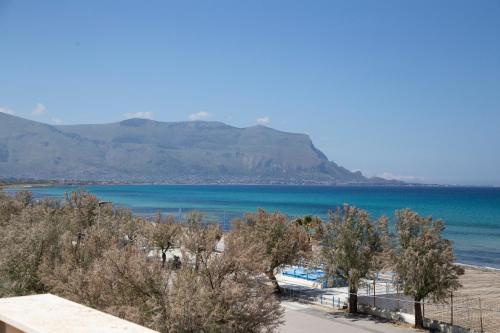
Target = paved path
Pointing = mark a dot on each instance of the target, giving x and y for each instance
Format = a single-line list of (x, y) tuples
[(302, 318)]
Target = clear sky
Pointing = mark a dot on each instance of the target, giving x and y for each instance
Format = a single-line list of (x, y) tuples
[(407, 89)]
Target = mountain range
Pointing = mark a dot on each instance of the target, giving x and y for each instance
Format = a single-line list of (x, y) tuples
[(143, 150)]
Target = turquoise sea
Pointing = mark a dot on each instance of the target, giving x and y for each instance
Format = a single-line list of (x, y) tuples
[(472, 215)]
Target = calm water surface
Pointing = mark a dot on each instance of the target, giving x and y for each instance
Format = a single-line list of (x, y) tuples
[(472, 215)]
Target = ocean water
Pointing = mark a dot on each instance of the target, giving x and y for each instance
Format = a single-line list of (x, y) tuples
[(471, 215)]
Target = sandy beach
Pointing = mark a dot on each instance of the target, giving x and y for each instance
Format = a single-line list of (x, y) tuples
[(479, 282), (476, 305)]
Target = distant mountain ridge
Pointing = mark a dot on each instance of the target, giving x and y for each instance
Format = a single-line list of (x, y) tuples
[(142, 150)]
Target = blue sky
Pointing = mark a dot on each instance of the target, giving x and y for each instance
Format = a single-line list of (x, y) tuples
[(406, 89)]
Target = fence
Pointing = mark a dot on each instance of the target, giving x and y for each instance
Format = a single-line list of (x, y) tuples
[(480, 314), (477, 314), (314, 296)]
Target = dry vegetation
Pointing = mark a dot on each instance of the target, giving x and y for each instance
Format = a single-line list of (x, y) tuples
[(108, 259), (423, 260), (353, 248)]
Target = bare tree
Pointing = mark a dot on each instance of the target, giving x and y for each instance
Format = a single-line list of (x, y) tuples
[(424, 260), (352, 243), (222, 291), (199, 241), (285, 243), (56, 247), (164, 234), (30, 235)]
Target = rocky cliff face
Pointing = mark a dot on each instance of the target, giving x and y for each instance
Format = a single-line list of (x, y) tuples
[(139, 150)]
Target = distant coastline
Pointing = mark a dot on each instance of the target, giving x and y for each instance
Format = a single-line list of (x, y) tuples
[(5, 183)]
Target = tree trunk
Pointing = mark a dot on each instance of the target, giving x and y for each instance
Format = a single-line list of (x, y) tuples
[(197, 262), (419, 319), (353, 301), (277, 288)]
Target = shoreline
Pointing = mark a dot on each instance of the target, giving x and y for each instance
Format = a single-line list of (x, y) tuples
[(477, 267)]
